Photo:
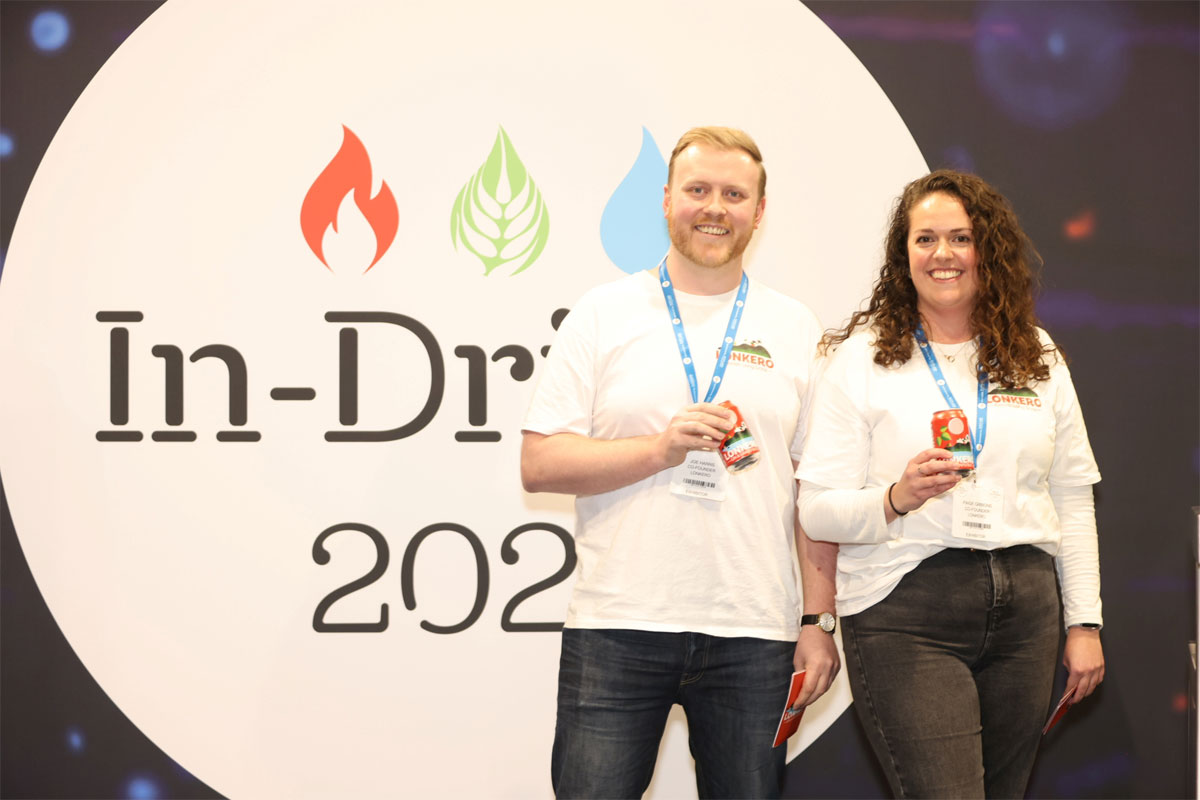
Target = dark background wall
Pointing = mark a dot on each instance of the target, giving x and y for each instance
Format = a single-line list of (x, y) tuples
[(1084, 114)]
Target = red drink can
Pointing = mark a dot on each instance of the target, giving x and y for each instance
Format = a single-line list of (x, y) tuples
[(738, 449), (951, 432)]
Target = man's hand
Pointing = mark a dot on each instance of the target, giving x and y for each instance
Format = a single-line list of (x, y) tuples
[(816, 652), (817, 655), (700, 426), (573, 464)]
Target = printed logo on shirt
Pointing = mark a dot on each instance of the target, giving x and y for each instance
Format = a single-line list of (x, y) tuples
[(752, 354), (1019, 398)]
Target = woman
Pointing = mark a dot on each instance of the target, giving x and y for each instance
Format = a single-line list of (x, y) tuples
[(946, 578)]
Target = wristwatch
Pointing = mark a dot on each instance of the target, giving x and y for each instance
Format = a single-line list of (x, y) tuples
[(825, 621)]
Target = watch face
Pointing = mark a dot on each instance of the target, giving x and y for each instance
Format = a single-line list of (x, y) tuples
[(826, 622)]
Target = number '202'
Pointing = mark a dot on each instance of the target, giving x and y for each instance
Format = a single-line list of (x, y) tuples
[(508, 553)]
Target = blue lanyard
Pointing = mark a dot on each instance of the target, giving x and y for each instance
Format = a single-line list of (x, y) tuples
[(979, 434), (685, 353)]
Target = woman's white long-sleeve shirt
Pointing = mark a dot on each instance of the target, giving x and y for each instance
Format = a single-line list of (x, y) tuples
[(868, 421)]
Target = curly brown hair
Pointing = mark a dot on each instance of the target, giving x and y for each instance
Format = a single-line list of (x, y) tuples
[(1003, 317)]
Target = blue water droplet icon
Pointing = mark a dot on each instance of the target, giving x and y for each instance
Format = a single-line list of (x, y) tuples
[(632, 228)]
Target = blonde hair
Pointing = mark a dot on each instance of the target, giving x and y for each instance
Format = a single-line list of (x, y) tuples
[(723, 139)]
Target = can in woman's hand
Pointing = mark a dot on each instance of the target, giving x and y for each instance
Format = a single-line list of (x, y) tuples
[(951, 432)]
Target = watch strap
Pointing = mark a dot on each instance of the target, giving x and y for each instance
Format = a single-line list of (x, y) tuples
[(816, 619)]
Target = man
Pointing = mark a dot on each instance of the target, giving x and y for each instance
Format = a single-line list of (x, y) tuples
[(686, 589)]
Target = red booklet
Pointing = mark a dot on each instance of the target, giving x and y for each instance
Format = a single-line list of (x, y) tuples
[(790, 721), (1059, 711)]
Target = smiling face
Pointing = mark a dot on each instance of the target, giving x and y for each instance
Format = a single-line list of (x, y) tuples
[(712, 206), (942, 259)]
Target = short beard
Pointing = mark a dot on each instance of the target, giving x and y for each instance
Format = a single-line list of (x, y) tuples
[(680, 238)]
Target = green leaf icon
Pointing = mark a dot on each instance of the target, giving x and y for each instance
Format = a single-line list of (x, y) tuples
[(499, 214)]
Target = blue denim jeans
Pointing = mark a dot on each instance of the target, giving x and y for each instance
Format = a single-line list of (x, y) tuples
[(952, 672), (616, 687)]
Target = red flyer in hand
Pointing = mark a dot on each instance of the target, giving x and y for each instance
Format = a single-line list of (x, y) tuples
[(790, 721), (1059, 711)]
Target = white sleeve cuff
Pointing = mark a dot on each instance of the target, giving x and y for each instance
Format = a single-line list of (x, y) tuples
[(848, 516), (1078, 559)]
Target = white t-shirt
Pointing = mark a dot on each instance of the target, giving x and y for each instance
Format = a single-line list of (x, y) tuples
[(650, 559), (868, 421)]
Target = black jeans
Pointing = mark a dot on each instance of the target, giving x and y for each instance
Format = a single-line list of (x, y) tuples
[(616, 687), (952, 672)]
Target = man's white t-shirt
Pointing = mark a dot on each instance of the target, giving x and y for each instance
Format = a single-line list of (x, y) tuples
[(650, 559)]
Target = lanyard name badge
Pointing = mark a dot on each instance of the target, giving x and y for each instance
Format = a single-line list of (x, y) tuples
[(702, 474), (977, 504)]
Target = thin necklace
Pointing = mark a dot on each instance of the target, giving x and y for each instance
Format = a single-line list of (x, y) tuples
[(946, 354)]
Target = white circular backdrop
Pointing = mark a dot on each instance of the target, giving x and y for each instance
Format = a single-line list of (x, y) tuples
[(183, 572)]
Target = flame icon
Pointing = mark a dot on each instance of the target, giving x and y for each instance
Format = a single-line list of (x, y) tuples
[(350, 170)]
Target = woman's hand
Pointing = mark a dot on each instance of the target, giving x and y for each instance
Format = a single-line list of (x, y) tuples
[(928, 474), (1084, 659)]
